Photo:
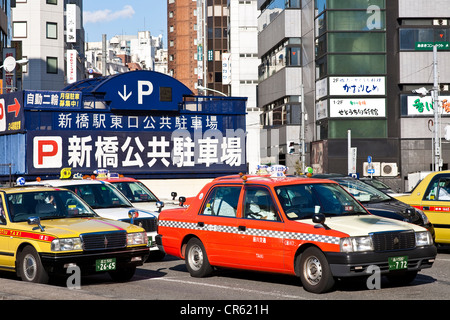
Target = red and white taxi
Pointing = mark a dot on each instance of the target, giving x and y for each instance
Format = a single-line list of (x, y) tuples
[(311, 228)]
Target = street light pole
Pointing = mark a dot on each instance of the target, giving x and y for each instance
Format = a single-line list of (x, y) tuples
[(302, 123), (435, 96)]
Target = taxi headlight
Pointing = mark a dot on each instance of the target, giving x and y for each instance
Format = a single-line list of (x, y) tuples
[(66, 244), (423, 238), (137, 238), (356, 244)]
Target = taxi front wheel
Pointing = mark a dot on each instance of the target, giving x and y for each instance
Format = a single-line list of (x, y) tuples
[(314, 271), (197, 261), (30, 266)]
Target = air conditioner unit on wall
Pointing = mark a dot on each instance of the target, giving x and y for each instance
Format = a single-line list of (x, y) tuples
[(389, 169), (375, 165)]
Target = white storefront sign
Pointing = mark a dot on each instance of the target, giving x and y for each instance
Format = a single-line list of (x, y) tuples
[(357, 86), (358, 108)]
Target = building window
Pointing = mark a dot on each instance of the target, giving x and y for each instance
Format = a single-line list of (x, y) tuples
[(355, 42), (52, 30), (357, 64), (351, 21), (410, 36), (52, 65), (20, 29)]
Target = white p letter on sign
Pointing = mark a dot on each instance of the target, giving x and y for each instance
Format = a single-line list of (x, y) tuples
[(141, 92)]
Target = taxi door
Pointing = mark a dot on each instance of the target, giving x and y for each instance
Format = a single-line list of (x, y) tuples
[(6, 256), (436, 205), (217, 224), (261, 231)]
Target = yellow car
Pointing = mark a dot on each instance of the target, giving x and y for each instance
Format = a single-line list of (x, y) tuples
[(432, 195), (44, 231)]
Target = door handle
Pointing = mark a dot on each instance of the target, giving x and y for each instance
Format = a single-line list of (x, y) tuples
[(201, 224), (242, 228)]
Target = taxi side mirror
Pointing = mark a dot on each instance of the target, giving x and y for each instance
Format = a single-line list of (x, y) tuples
[(182, 200), (174, 195), (159, 205), (36, 221), (319, 218)]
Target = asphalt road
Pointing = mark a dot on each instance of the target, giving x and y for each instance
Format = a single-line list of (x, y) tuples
[(166, 289), (169, 280)]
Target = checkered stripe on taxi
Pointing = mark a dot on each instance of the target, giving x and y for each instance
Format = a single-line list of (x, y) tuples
[(251, 232)]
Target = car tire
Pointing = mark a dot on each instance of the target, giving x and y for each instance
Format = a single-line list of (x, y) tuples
[(314, 271), (30, 266), (196, 259)]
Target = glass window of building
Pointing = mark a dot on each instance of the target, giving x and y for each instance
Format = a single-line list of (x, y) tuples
[(355, 42), (19, 29), (356, 64), (52, 65), (373, 128), (354, 4), (355, 20), (410, 36), (52, 30)]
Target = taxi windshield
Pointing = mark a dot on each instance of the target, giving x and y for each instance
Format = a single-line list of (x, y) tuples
[(135, 191), (301, 201), (101, 195), (46, 205)]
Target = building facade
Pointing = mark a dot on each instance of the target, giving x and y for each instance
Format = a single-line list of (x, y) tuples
[(280, 80), (5, 22), (181, 41), (52, 37), (360, 63)]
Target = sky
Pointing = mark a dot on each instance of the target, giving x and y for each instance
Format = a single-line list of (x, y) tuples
[(124, 17)]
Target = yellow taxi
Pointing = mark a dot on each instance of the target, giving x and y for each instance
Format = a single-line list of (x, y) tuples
[(45, 230), (432, 196)]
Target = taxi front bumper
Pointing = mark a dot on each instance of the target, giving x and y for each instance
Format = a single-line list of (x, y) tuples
[(357, 263), (58, 262)]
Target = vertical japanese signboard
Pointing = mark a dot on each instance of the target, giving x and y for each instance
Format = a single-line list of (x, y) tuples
[(71, 25)]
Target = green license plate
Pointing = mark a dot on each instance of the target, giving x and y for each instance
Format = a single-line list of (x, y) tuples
[(105, 264), (398, 263)]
